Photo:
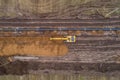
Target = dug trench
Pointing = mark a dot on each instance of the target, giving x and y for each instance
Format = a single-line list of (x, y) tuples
[(27, 46), (13, 45)]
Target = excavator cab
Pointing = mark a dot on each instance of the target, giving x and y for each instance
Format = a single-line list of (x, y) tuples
[(71, 39)]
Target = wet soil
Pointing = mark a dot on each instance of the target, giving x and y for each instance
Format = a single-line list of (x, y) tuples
[(99, 54), (24, 67)]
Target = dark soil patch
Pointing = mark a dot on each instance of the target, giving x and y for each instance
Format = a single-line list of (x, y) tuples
[(23, 67)]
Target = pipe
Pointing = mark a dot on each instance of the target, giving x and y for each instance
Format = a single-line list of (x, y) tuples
[(57, 29)]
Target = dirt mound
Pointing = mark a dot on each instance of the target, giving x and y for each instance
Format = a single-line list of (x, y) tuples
[(32, 46)]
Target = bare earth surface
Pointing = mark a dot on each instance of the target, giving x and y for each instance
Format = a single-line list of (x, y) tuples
[(32, 46), (100, 54)]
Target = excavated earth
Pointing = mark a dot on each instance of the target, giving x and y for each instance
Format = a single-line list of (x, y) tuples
[(88, 53), (32, 46), (100, 54)]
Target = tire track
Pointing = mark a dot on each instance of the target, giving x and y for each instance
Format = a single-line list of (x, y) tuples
[(59, 22)]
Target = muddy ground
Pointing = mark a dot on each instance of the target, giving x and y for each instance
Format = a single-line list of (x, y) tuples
[(100, 54), (23, 67)]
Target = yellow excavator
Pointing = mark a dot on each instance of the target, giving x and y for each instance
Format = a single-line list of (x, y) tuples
[(66, 39)]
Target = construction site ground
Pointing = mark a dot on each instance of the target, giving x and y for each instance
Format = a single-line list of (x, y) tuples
[(94, 53)]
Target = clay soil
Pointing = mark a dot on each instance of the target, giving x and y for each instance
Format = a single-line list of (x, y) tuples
[(32, 46)]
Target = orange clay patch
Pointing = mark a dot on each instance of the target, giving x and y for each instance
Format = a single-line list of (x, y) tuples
[(32, 46)]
